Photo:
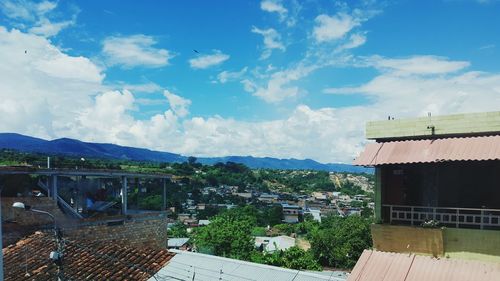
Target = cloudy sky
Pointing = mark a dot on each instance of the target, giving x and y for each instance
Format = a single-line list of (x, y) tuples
[(287, 79)]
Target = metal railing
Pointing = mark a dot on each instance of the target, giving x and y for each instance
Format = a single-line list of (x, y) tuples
[(447, 216)]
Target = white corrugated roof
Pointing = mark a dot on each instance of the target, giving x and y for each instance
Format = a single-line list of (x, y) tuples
[(184, 265), (177, 242)]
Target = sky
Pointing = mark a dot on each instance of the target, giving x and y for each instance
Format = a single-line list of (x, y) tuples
[(270, 78)]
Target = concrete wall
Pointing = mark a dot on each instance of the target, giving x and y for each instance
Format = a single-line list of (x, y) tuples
[(473, 123), (148, 229), (473, 244)]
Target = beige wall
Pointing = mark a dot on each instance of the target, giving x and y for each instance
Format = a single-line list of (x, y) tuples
[(449, 242), (473, 123), (403, 239)]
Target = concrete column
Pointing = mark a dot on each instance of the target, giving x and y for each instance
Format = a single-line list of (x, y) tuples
[(378, 194), (53, 188), (124, 195), (164, 197)]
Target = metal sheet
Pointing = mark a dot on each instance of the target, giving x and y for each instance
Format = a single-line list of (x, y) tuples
[(383, 266), (431, 151), (195, 266)]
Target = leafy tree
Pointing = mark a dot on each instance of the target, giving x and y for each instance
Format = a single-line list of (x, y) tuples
[(269, 215), (207, 213), (227, 235), (151, 202), (259, 231), (340, 241), (178, 230), (294, 258)]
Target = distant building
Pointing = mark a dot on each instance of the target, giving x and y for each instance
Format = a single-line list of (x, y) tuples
[(320, 195), (268, 198), (272, 244), (177, 243), (315, 213), (203, 222), (291, 213)]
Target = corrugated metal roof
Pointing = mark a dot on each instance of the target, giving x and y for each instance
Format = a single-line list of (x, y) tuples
[(430, 151), (383, 266), (185, 265), (177, 242)]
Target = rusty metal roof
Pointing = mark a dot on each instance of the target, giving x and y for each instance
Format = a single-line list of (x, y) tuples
[(383, 266), (430, 151)]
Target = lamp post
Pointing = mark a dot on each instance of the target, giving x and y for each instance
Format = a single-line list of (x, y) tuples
[(57, 255)]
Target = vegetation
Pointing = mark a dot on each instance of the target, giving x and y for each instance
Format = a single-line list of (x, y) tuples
[(178, 230), (294, 258), (227, 235), (336, 242), (339, 241)]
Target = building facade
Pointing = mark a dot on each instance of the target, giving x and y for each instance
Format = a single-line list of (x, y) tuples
[(437, 185)]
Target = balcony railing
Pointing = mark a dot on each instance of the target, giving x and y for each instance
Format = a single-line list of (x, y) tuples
[(450, 217)]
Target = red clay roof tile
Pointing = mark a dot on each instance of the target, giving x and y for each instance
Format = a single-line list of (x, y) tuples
[(83, 260)]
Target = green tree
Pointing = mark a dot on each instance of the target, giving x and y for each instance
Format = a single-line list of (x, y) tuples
[(340, 241), (294, 258), (178, 230), (227, 235)]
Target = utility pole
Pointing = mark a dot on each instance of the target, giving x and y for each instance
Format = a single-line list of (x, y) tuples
[(57, 256)]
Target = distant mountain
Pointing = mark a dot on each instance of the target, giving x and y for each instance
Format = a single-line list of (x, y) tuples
[(78, 148), (286, 164)]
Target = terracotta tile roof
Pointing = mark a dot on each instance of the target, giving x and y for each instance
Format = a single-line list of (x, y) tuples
[(383, 266), (430, 151), (28, 259)]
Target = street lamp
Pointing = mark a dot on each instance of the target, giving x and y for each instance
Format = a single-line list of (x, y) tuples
[(57, 255)]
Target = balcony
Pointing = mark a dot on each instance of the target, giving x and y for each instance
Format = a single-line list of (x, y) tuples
[(446, 216)]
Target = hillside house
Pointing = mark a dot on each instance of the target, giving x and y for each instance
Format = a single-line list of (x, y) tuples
[(291, 213), (441, 171), (268, 198)]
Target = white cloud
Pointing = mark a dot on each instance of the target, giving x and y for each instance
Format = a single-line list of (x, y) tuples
[(206, 61), (272, 40), (36, 15), (178, 104), (417, 65), (47, 28), (486, 47), (278, 86), (134, 50), (226, 76), (330, 28), (274, 6), (47, 93), (43, 88), (414, 94), (355, 40), (149, 87)]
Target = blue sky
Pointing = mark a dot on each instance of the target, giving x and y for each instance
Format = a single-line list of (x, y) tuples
[(268, 78)]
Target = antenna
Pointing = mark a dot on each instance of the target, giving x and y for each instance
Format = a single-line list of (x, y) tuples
[(430, 126)]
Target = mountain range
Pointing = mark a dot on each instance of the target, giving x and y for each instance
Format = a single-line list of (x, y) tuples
[(76, 148)]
